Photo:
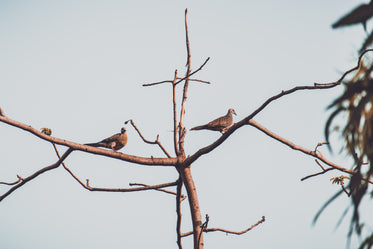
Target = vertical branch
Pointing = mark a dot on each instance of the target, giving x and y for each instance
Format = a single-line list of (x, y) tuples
[(182, 111), (176, 146), (195, 211), (187, 39), (178, 211)]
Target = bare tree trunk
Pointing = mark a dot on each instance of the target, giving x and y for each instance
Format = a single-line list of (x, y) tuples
[(194, 206)]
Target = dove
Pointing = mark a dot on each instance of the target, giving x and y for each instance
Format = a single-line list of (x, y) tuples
[(115, 142), (220, 124)]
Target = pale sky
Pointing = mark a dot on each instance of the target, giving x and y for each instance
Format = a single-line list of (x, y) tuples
[(78, 67)]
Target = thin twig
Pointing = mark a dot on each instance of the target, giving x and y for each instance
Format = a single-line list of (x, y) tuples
[(345, 190), (2, 112), (320, 144), (301, 149), (320, 173), (181, 79), (178, 212), (317, 161), (37, 173), (13, 183), (185, 90), (203, 227), (176, 146), (346, 73), (157, 83), (197, 80), (145, 187), (228, 231), (194, 72), (187, 41), (159, 189), (147, 141), (233, 232)]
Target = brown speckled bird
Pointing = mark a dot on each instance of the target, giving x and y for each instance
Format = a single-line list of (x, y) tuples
[(221, 124), (360, 14), (115, 142)]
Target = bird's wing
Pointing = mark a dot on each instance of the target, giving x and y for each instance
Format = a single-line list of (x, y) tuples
[(111, 139), (222, 121)]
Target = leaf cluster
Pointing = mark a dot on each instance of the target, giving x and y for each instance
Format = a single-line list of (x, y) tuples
[(355, 107)]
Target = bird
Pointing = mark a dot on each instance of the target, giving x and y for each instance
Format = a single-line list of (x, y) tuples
[(360, 14), (115, 142), (221, 124)]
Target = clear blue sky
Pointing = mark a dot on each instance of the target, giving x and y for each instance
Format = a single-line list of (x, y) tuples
[(77, 67)]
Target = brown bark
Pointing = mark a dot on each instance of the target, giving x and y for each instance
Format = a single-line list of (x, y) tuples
[(152, 161), (195, 211)]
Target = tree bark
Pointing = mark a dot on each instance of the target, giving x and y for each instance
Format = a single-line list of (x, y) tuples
[(186, 176)]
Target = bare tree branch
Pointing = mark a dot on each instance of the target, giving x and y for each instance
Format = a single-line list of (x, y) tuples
[(233, 232), (183, 197), (345, 190), (317, 161), (320, 144), (204, 227), (317, 174), (174, 109), (207, 230), (93, 150), (347, 72), (246, 121), (187, 42), (147, 141), (197, 80), (194, 72), (178, 212), (301, 149), (145, 187), (185, 90), (13, 183), (195, 212), (36, 174), (181, 79)]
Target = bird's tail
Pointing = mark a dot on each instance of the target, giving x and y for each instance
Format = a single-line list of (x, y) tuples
[(201, 127), (96, 144)]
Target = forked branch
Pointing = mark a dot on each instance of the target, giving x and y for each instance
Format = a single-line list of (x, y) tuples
[(147, 141), (181, 79), (207, 230), (246, 121), (301, 149), (13, 183), (36, 174), (144, 187), (182, 197)]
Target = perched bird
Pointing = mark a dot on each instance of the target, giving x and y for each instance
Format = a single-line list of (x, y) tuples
[(360, 14), (220, 124), (115, 142)]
